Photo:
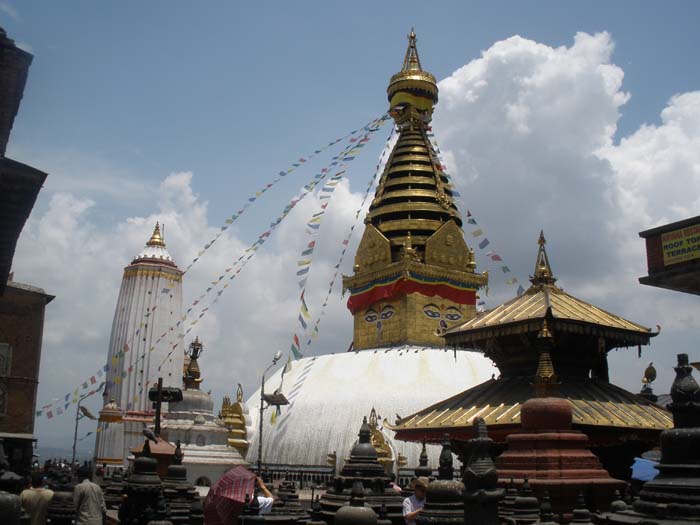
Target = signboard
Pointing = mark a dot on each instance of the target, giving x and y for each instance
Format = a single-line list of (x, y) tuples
[(681, 245)]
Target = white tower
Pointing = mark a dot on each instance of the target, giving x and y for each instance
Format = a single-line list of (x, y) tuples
[(145, 344)]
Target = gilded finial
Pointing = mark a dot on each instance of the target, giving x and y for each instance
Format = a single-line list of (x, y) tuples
[(543, 270), (411, 61), (239, 394), (545, 377), (156, 238)]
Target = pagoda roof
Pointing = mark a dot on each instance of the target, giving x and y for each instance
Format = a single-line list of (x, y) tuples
[(595, 403), (545, 300)]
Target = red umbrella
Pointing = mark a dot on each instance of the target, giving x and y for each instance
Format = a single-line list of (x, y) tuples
[(227, 497)]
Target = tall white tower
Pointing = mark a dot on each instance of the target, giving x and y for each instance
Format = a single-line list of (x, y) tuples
[(145, 344)]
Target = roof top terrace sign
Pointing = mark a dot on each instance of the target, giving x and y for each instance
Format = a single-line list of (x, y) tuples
[(673, 256)]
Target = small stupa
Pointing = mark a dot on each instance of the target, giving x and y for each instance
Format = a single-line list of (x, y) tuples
[(203, 436), (363, 466)]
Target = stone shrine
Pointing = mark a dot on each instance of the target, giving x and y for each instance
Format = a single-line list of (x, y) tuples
[(363, 465), (203, 437)]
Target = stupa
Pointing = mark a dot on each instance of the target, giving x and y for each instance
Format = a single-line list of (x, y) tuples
[(413, 276), (149, 306), (236, 418), (203, 437), (550, 453), (620, 425), (363, 466), (673, 497)]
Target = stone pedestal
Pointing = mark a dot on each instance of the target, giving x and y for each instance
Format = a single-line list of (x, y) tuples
[(555, 458)]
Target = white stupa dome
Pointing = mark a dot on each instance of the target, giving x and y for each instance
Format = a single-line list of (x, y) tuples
[(330, 394)]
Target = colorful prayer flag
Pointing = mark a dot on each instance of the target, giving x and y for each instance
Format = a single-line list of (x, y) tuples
[(483, 244)]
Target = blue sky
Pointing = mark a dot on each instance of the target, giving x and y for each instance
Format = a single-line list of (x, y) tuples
[(121, 95), (223, 87)]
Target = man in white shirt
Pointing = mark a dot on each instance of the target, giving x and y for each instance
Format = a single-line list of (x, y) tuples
[(413, 505), (266, 500)]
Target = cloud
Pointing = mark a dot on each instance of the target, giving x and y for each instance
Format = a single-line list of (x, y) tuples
[(10, 11), (526, 129), (528, 132), (70, 253)]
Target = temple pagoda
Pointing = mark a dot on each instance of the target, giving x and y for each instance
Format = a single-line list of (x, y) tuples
[(578, 337), (149, 305)]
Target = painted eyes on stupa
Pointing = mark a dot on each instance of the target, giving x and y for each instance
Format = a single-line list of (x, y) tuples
[(371, 316), (453, 314), (432, 311), (387, 312)]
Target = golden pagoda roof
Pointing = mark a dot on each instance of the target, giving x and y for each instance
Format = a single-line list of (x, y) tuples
[(546, 300), (595, 403)]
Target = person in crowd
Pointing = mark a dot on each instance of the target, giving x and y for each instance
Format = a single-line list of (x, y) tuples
[(413, 505), (266, 500), (35, 500), (88, 500)]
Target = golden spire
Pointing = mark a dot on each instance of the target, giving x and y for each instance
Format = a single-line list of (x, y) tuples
[(543, 271), (413, 229), (156, 239), (411, 61)]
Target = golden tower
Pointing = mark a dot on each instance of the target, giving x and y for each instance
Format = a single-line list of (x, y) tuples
[(414, 273)]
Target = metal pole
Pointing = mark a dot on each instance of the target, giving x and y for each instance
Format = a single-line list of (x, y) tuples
[(75, 433), (260, 432), (158, 404)]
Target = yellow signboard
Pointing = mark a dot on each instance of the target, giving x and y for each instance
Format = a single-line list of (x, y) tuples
[(681, 245)]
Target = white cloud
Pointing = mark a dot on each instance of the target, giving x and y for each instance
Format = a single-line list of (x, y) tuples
[(526, 129)]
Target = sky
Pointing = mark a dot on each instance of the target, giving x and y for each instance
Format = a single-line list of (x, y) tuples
[(582, 120)]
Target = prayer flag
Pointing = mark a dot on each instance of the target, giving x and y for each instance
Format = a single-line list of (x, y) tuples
[(496, 257), (505, 269), (521, 290), (302, 322), (303, 271), (483, 244), (93, 380), (477, 233), (297, 353), (471, 220), (512, 281)]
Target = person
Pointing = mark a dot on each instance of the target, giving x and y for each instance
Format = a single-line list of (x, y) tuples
[(392, 482), (88, 500), (266, 500), (35, 500), (413, 505)]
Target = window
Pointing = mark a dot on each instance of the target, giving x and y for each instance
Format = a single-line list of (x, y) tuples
[(5, 359)]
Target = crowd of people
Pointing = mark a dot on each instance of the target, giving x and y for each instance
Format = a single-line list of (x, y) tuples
[(88, 499)]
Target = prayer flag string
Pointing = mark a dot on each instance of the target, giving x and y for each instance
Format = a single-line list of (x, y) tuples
[(478, 233), (296, 347), (55, 408), (255, 196)]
